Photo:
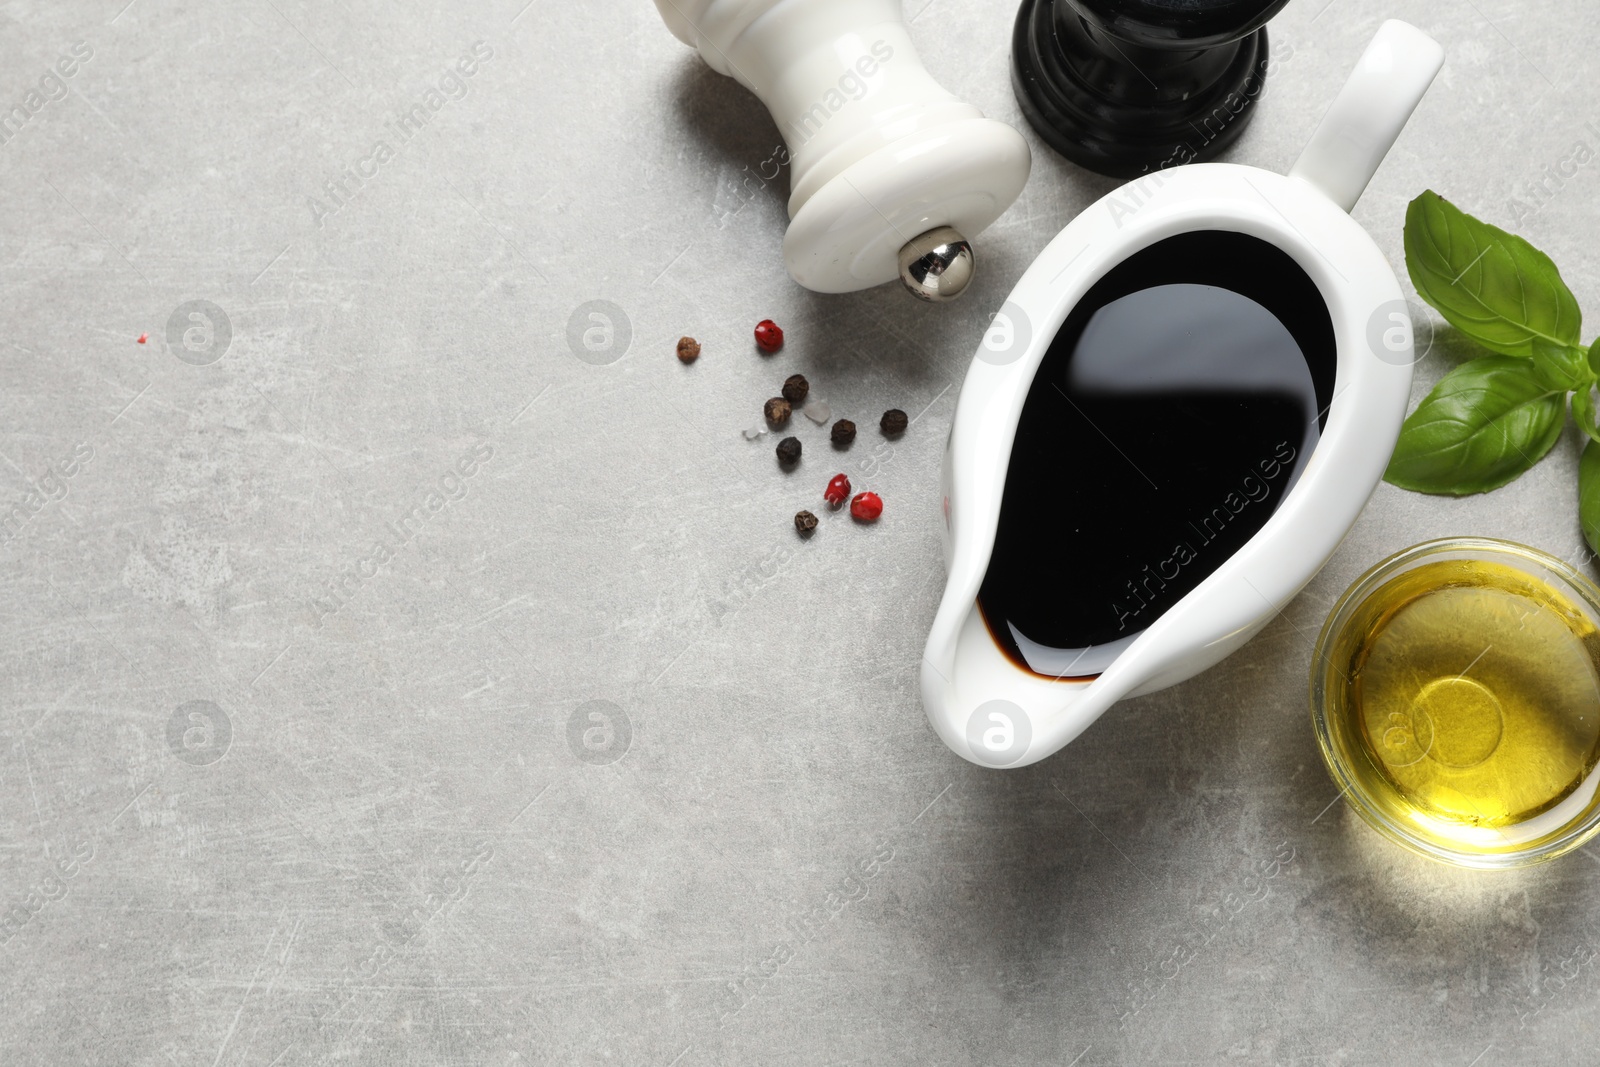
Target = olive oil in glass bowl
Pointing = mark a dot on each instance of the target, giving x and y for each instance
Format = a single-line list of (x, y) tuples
[(1455, 693)]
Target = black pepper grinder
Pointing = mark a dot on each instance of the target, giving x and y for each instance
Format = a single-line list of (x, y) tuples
[(1124, 87)]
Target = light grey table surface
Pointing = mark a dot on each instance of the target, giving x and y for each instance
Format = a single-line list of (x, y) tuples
[(237, 828)]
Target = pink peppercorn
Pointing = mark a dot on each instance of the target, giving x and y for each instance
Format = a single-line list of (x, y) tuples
[(768, 336), (866, 507)]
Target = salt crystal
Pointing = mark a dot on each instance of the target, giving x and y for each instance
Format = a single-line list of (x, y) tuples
[(754, 433), (818, 411)]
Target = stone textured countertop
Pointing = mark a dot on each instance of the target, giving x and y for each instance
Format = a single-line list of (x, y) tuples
[(386, 684)]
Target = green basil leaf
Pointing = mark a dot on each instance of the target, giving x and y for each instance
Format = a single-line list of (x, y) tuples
[(1594, 358), (1563, 367), (1491, 285), (1589, 494), (1583, 412), (1485, 423)]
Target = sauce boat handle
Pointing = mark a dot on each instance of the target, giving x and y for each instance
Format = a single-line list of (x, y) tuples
[(1369, 112)]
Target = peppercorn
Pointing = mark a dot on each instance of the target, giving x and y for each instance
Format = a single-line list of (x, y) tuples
[(893, 423), (688, 349), (796, 388), (777, 411), (789, 451), (866, 507), (843, 432), (768, 336), (838, 489), (805, 522)]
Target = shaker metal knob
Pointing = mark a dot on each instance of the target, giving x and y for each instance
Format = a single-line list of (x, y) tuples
[(937, 265)]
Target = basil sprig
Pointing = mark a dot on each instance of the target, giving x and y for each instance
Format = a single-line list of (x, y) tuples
[(1491, 285), (1589, 494), (1485, 423), (1491, 419)]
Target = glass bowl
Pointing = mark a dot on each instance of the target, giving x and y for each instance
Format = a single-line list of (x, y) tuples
[(1455, 693)]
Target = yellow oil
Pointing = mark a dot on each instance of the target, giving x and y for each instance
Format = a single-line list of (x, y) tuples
[(1464, 699)]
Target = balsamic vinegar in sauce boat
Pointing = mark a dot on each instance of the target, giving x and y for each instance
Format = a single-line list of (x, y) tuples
[(1172, 413)]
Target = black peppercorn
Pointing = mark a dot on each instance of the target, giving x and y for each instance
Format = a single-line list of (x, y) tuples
[(789, 451), (777, 411), (893, 423), (805, 522), (844, 431), (796, 389)]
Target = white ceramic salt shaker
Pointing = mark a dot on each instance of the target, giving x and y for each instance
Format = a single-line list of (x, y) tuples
[(890, 173)]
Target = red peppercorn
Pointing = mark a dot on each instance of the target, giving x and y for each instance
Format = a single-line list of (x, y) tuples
[(838, 490), (768, 336), (866, 507)]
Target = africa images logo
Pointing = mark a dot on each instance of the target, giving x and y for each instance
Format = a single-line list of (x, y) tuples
[(351, 180), (599, 732), (199, 733), (52, 87), (448, 488), (199, 332), (1253, 489)]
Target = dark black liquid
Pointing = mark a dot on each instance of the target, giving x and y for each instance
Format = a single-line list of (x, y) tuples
[(1171, 414)]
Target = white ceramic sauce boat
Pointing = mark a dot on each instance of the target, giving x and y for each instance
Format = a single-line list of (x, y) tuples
[(997, 714)]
